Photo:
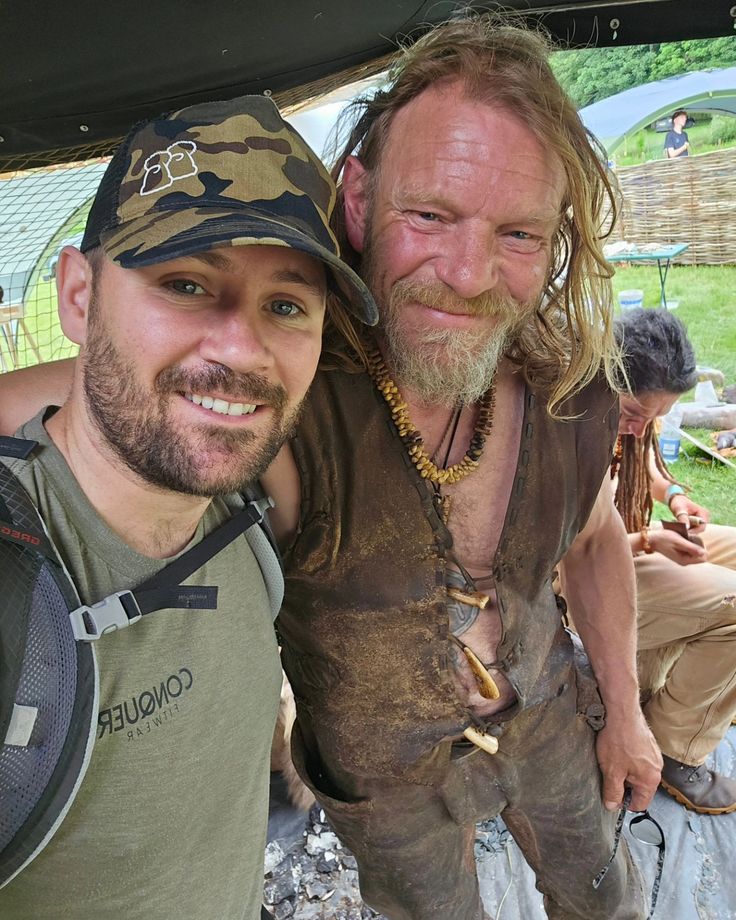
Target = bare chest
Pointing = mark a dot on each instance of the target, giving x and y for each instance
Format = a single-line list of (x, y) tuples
[(476, 506), (475, 510), (476, 514)]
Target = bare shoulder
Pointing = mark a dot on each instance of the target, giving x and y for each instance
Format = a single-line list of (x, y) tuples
[(281, 481), (25, 392)]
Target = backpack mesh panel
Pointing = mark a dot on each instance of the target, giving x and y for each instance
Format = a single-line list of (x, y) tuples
[(18, 571), (22, 511), (41, 666), (47, 682)]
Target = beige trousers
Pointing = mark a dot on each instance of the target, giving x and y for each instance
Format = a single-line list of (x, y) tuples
[(694, 604)]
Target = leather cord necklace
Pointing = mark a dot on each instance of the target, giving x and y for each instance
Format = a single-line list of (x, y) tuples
[(444, 502), (451, 429)]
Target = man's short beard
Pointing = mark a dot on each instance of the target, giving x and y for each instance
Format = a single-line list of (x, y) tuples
[(448, 366), (204, 460)]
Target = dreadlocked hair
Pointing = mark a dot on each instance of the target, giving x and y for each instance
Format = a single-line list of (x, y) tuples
[(657, 356), (633, 498)]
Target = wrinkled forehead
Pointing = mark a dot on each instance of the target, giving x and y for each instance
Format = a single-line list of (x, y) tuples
[(445, 127)]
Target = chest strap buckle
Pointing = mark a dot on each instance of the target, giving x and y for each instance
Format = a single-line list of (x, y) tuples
[(116, 611)]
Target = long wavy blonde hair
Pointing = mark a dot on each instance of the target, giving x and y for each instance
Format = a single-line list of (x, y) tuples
[(568, 339)]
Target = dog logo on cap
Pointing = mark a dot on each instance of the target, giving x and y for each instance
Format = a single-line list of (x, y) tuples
[(164, 167)]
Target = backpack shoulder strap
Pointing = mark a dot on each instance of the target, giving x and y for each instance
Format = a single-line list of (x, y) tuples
[(263, 543), (20, 521), (163, 590), (16, 448)]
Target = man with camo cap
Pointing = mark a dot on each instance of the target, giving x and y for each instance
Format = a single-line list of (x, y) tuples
[(198, 300)]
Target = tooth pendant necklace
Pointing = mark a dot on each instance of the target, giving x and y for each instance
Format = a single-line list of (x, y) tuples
[(428, 469)]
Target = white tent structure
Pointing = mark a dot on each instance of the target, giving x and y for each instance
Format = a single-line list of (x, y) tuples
[(33, 209), (701, 91)]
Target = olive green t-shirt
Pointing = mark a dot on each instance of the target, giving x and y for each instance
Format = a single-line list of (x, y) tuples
[(170, 819)]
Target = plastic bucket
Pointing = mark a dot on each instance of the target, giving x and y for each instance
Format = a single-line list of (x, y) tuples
[(630, 300), (669, 446)]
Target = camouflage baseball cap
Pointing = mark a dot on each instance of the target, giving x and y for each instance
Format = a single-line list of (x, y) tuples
[(219, 174)]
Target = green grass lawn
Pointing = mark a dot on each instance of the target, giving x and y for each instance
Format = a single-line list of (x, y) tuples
[(707, 306)]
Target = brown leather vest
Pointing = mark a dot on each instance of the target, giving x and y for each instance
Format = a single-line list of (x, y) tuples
[(364, 626)]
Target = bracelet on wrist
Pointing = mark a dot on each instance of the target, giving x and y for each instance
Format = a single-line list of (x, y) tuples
[(673, 489), (645, 542)]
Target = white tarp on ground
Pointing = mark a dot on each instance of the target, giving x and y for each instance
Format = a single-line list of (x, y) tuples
[(699, 876)]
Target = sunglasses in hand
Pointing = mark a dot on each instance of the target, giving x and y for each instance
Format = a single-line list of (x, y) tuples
[(645, 829)]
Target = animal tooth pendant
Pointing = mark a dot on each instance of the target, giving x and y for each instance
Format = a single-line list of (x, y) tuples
[(487, 743), (487, 686), (476, 599)]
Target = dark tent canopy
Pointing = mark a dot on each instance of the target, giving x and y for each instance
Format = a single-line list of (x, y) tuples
[(78, 74)]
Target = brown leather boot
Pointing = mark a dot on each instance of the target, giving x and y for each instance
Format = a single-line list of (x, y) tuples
[(699, 788)]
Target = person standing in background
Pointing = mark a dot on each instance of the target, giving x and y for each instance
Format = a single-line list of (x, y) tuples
[(677, 144)]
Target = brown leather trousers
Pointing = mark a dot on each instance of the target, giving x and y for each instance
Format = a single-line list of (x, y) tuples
[(414, 839)]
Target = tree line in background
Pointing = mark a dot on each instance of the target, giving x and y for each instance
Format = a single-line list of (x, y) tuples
[(591, 74)]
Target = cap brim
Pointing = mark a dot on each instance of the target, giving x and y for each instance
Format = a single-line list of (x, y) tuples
[(237, 228)]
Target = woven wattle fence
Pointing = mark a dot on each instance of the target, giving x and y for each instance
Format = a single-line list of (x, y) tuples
[(686, 200)]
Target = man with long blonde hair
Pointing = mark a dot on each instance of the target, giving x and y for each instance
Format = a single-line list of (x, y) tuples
[(440, 471), (434, 680)]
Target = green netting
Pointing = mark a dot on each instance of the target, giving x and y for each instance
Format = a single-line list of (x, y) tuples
[(41, 210)]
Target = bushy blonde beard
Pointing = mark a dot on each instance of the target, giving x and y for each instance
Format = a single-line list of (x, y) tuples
[(448, 366)]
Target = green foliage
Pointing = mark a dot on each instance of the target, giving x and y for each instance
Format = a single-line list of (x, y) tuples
[(723, 130), (591, 74)]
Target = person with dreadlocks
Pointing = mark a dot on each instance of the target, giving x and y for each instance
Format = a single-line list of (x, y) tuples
[(686, 587)]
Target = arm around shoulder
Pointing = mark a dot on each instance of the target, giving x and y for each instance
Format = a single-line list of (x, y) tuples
[(281, 482), (25, 392)]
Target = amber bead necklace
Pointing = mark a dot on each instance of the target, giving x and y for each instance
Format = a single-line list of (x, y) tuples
[(412, 439)]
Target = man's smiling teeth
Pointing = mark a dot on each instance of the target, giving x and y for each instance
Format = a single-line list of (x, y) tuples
[(221, 406)]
